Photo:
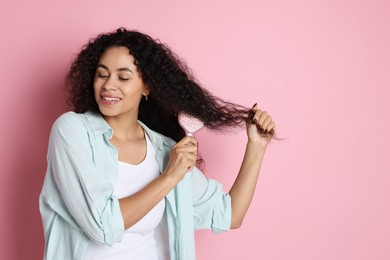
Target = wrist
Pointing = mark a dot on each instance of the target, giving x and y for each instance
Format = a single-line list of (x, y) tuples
[(260, 148), (171, 178)]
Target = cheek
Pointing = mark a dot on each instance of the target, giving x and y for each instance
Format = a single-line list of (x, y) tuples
[(95, 90), (129, 90), (96, 86)]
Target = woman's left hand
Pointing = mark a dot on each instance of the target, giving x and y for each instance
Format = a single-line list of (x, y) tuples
[(264, 121)]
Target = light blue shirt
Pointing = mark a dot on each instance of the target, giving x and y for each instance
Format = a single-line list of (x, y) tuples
[(77, 202)]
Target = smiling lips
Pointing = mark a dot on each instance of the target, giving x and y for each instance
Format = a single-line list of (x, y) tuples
[(110, 100)]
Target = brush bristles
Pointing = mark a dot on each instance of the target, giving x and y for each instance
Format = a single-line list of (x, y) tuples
[(190, 123)]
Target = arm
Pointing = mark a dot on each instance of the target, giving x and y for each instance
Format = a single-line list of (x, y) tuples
[(244, 186), (211, 205), (182, 160), (87, 194), (136, 206)]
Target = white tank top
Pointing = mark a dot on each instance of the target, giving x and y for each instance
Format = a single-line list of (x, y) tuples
[(138, 241)]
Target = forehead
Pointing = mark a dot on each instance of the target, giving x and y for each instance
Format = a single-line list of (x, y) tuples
[(117, 56)]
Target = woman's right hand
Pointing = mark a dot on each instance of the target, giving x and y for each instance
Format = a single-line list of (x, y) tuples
[(182, 158)]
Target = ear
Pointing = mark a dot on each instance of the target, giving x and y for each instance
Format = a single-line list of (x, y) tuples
[(146, 91)]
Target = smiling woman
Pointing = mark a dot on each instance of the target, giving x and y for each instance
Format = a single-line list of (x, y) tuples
[(118, 85), (122, 181)]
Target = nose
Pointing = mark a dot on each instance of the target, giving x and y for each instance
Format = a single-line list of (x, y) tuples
[(109, 84)]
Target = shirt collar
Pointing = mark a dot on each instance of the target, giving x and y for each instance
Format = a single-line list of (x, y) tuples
[(100, 126), (156, 138)]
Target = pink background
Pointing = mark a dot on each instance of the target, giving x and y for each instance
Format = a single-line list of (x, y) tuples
[(321, 69)]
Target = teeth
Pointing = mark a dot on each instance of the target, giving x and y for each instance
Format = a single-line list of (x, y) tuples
[(111, 98)]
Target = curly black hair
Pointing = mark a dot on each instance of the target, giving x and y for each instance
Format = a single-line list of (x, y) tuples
[(173, 89)]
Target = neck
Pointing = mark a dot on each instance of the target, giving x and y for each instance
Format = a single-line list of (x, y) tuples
[(125, 128)]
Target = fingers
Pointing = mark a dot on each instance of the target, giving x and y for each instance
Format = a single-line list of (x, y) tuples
[(270, 126), (186, 152), (263, 119), (191, 149), (191, 161), (265, 123), (183, 157), (188, 140), (188, 144)]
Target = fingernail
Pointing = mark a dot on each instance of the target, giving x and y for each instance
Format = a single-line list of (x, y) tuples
[(254, 105)]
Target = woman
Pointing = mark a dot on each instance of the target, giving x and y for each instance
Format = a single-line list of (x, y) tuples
[(122, 181)]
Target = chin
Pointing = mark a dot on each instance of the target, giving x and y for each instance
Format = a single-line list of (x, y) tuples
[(108, 112)]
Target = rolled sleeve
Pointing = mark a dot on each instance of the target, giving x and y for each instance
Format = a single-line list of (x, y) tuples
[(85, 192), (211, 205)]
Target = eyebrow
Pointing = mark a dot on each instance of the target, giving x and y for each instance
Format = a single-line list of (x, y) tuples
[(120, 69)]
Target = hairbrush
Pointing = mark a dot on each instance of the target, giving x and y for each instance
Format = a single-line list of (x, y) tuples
[(191, 124)]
